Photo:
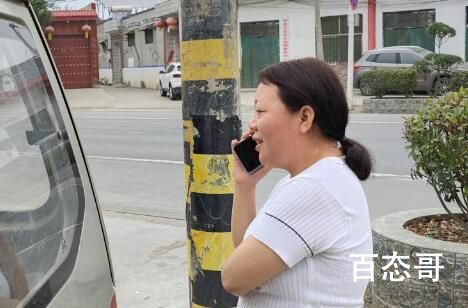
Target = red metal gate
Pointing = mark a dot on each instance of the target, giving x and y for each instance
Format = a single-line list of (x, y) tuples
[(72, 57)]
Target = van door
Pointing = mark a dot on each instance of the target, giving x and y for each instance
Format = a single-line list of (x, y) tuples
[(53, 249)]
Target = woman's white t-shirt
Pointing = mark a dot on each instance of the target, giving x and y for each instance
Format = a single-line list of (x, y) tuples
[(314, 222), (4, 287)]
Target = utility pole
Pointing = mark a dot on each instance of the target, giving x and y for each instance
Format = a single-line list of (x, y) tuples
[(318, 32), (210, 83)]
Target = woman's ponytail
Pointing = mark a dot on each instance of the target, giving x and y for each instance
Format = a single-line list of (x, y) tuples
[(357, 157)]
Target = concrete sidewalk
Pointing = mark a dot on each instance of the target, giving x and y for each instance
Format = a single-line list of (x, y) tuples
[(106, 98), (149, 257)]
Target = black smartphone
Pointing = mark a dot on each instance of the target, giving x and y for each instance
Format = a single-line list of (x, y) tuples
[(248, 156)]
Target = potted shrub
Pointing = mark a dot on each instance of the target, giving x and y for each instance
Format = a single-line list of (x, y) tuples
[(438, 142)]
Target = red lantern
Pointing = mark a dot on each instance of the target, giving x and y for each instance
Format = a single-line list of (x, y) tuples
[(171, 23), (50, 31), (86, 29), (160, 24)]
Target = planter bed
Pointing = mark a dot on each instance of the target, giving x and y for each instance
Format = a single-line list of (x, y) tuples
[(452, 288), (392, 105)]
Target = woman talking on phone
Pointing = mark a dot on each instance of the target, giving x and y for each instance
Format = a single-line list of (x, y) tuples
[(296, 251)]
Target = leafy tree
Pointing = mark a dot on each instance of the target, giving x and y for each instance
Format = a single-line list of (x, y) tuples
[(42, 8), (437, 141), (442, 32), (439, 62)]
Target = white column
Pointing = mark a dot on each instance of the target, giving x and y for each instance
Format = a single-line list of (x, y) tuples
[(350, 57)]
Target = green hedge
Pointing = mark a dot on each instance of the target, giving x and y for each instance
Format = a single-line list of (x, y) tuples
[(458, 80), (380, 82)]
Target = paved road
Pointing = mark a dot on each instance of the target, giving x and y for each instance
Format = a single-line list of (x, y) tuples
[(158, 135), (137, 161)]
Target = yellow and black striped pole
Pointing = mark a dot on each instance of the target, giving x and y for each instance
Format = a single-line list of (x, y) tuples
[(210, 74)]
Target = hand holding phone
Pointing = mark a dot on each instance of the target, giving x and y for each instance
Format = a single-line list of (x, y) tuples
[(248, 156)]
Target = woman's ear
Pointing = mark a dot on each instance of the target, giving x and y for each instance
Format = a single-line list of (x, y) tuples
[(306, 116)]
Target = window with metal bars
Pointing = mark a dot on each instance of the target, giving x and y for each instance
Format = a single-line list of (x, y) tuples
[(335, 38), (408, 28), (131, 39), (148, 36)]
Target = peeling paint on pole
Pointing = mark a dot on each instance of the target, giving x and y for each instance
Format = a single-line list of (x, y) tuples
[(210, 79)]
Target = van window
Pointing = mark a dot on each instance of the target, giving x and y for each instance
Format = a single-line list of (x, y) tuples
[(41, 196)]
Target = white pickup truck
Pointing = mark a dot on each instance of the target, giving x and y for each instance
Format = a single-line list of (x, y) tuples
[(170, 81)]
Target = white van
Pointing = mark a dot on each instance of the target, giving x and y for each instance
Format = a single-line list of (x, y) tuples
[(53, 247)]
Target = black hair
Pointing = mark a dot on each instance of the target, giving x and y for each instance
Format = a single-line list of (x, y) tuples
[(312, 82)]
